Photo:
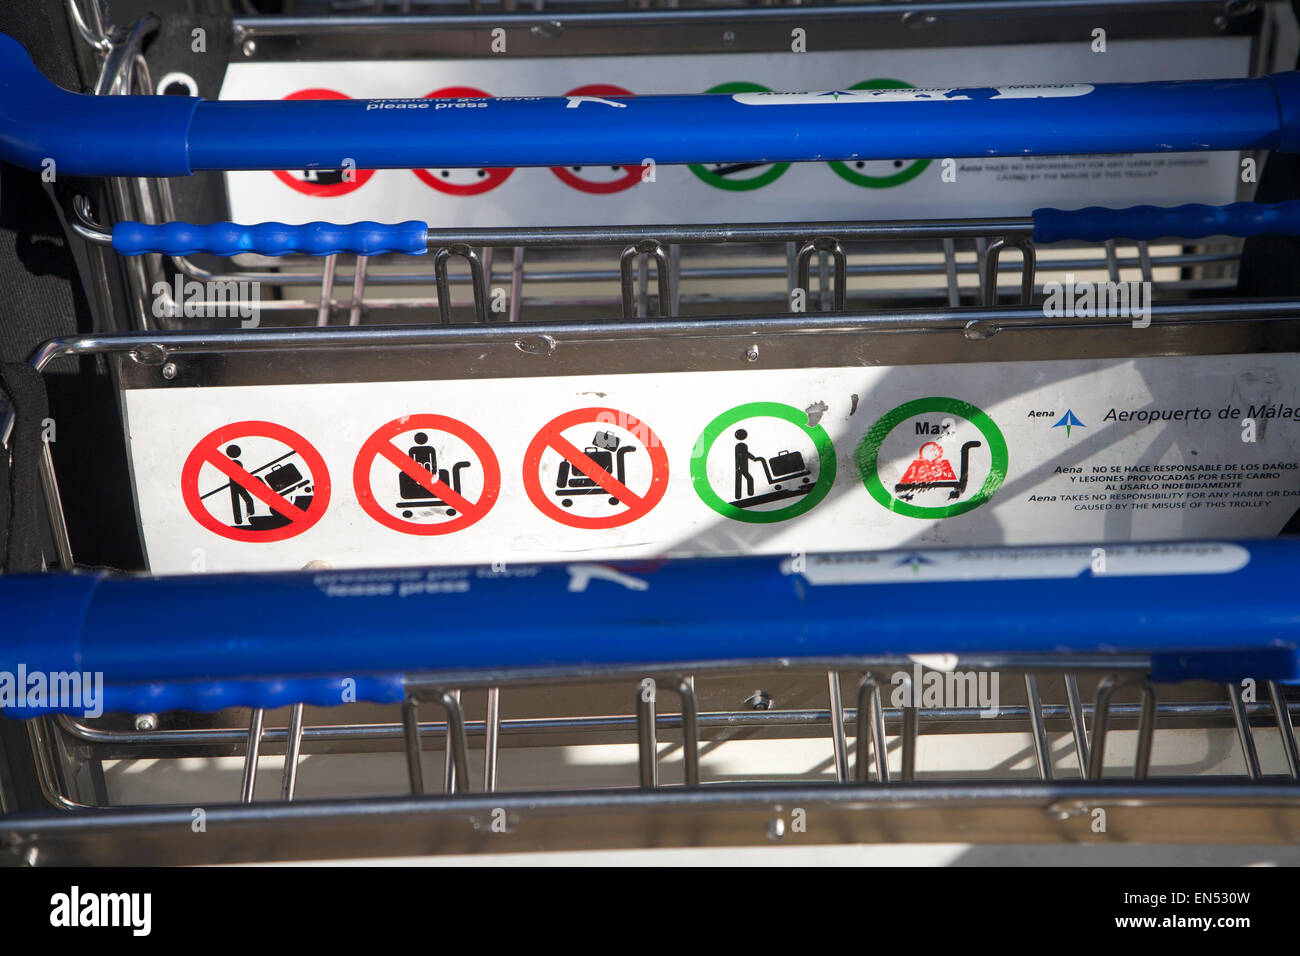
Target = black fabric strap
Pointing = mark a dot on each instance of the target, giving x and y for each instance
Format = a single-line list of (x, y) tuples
[(1268, 263), (25, 390)]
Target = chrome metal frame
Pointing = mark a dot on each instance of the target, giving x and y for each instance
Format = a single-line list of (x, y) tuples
[(865, 802), (66, 747)]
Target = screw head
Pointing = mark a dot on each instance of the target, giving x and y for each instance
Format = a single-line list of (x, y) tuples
[(751, 353), (146, 721), (760, 700), (169, 371), (249, 47)]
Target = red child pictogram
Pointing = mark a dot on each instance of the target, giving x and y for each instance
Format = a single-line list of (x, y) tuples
[(930, 470), (928, 466)]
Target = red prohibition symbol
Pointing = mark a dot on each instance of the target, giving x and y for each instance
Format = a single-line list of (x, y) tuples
[(465, 512), (462, 182), (591, 475), (322, 182), (580, 177), (288, 517)]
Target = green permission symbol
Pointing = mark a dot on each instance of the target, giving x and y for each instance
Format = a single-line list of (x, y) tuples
[(867, 456), (906, 172), (729, 177), (801, 504)]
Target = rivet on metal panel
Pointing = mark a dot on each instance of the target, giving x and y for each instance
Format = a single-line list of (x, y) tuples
[(751, 353), (169, 371), (149, 355), (249, 47), (1066, 809), (978, 331), (760, 700), (536, 344)]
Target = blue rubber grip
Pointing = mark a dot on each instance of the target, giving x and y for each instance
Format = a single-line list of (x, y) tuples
[(1221, 611), (209, 696), (1193, 221), (271, 238)]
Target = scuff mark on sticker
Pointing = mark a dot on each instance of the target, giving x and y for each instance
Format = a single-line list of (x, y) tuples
[(597, 394), (853, 404), (815, 411)]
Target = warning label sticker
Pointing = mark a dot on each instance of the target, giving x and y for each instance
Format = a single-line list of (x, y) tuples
[(654, 191), (426, 474), (281, 495), (593, 486), (783, 461)]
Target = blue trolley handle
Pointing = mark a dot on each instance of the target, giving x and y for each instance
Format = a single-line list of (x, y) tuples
[(323, 626), (83, 135), (1193, 221)]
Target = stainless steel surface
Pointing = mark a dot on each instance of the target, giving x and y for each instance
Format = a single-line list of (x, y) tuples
[(700, 28), (580, 298), (1101, 725), (1042, 747), (871, 728), (252, 751), (1282, 712), (1155, 812), (289, 778), (1244, 734), (647, 734), (838, 739)]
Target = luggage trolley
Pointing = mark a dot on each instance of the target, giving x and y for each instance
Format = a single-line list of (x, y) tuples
[(756, 644)]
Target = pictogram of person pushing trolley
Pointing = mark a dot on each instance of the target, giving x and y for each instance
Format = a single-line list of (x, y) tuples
[(786, 472)]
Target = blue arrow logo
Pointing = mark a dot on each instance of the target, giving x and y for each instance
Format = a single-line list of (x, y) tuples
[(1069, 421), (915, 559)]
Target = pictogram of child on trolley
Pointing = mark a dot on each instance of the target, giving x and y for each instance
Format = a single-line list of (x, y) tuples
[(930, 469)]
